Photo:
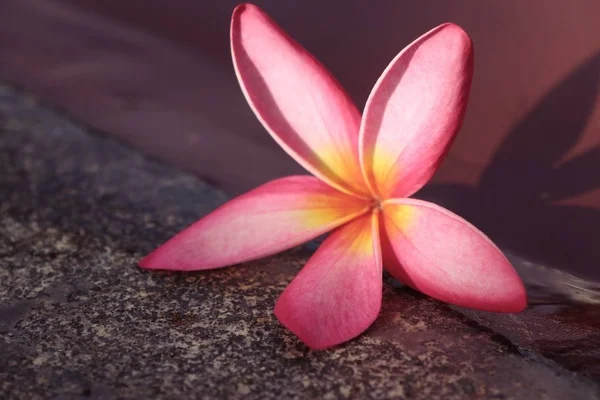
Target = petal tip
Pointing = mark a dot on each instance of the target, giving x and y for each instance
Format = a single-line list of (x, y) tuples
[(245, 8), (457, 36), (241, 7), (307, 336), (455, 30), (285, 318), (512, 301), (148, 262), (520, 301)]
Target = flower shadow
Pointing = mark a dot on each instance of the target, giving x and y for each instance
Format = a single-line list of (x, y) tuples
[(519, 199)]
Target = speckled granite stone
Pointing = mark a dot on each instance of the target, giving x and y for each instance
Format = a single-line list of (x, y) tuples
[(78, 319)]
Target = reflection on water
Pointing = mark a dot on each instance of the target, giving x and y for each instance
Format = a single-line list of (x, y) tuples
[(546, 285), (562, 322)]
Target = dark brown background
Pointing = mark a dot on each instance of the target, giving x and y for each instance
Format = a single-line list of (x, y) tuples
[(157, 74)]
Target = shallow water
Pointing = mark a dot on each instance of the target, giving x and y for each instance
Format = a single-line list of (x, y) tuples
[(552, 286), (562, 322)]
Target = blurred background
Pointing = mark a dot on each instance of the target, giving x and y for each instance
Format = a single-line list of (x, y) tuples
[(157, 74)]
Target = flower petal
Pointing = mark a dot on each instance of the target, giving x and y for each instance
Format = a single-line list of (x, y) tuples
[(297, 100), (415, 110), (271, 218), (442, 255), (337, 295)]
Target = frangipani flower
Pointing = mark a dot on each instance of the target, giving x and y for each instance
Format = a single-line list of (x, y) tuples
[(364, 171)]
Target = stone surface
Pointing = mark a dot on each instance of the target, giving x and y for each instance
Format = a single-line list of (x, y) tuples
[(78, 319)]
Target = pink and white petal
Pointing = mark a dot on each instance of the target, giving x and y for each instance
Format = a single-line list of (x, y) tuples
[(297, 100), (274, 217), (337, 295), (440, 254), (415, 110)]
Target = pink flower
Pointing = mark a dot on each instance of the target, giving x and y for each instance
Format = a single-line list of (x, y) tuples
[(365, 169)]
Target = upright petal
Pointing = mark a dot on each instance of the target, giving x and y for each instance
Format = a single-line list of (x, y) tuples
[(337, 295), (437, 252), (297, 100), (415, 110), (271, 218)]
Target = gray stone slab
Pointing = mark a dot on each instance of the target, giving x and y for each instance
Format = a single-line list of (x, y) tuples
[(78, 319)]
